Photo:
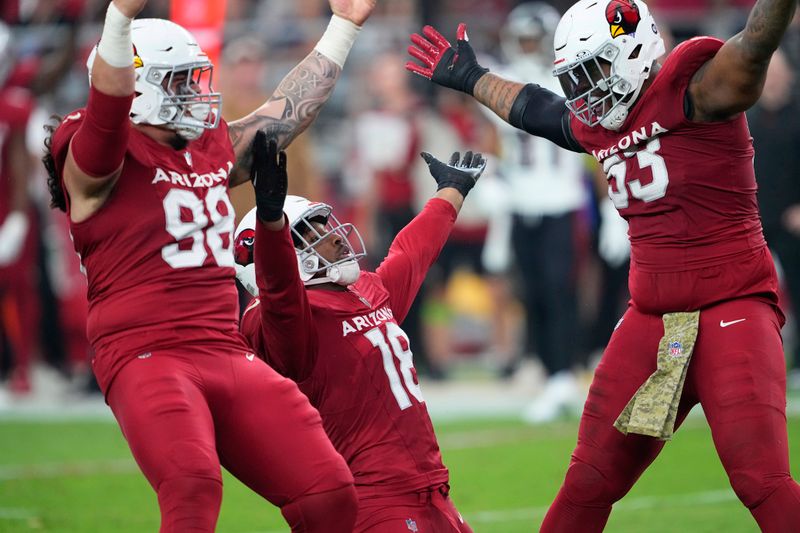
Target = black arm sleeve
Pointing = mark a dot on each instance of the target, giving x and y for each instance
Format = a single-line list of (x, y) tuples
[(542, 113)]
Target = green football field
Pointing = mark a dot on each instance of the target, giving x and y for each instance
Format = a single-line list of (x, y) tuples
[(78, 476)]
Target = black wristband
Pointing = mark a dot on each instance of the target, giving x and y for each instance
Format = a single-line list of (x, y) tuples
[(543, 113), (462, 184), (268, 213), (458, 69), (472, 78)]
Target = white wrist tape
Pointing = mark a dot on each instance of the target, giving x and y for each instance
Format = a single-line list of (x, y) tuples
[(116, 47), (337, 40)]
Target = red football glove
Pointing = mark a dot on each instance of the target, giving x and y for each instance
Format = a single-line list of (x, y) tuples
[(455, 68)]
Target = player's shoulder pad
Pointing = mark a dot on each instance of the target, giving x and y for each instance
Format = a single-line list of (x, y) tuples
[(691, 54)]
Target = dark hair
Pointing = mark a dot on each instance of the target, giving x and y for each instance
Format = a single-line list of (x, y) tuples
[(57, 197)]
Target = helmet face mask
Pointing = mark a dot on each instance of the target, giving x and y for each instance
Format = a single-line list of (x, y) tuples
[(173, 79), (604, 54), (592, 91), (317, 227), (314, 227), (189, 104)]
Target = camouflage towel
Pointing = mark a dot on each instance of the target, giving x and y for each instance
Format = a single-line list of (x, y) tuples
[(654, 407)]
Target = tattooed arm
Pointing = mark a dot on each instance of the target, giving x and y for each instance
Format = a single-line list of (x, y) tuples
[(497, 93), (291, 108), (732, 81), (528, 107), (302, 93)]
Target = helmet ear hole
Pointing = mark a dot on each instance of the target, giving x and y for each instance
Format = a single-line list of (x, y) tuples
[(635, 52)]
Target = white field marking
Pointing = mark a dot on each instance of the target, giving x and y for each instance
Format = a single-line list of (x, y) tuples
[(77, 468), (696, 499), (15, 513)]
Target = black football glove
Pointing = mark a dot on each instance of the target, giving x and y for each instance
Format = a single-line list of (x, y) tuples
[(455, 68), (269, 178), (459, 175)]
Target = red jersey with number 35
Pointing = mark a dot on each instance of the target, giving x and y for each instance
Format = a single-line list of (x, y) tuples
[(688, 192), (349, 355), (158, 253)]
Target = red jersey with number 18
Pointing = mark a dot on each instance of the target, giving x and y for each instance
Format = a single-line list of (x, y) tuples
[(158, 253), (348, 354), (688, 192)]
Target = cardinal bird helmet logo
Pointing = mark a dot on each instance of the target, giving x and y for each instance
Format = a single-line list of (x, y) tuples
[(243, 247), (137, 61), (623, 17)]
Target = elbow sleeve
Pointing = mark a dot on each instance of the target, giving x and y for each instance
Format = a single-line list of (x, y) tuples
[(101, 141), (542, 113)]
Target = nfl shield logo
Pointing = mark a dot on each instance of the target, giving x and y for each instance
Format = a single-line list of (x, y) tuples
[(675, 349), (188, 157), (411, 525)]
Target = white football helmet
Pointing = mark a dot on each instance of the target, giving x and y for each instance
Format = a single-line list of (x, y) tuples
[(173, 79), (604, 52), (6, 53), (301, 213), (532, 21)]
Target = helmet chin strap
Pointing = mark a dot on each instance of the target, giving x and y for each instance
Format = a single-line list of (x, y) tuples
[(616, 118), (186, 127), (343, 274), (189, 133)]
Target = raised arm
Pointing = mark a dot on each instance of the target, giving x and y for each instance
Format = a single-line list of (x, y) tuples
[(732, 81), (417, 245), (301, 94), (285, 314), (98, 147), (528, 107)]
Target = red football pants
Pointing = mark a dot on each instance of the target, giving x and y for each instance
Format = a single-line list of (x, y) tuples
[(737, 374), (187, 411), (424, 512)]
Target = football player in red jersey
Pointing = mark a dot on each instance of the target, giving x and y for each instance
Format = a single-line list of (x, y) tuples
[(142, 173), (336, 331), (17, 240), (674, 143)]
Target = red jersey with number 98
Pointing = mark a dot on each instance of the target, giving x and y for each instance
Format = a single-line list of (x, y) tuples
[(688, 192), (158, 253)]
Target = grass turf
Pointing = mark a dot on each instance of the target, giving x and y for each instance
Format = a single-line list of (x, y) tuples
[(79, 477)]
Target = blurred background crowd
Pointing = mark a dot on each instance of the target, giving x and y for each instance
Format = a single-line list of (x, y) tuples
[(534, 277)]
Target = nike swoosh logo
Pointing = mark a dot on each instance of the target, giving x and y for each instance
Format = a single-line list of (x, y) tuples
[(74, 116), (724, 324), (250, 356)]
